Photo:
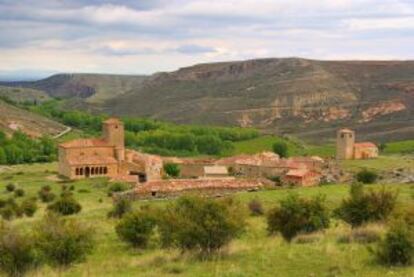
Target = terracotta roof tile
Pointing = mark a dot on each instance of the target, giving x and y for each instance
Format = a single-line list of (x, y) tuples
[(196, 184), (365, 144), (91, 160), (84, 143), (297, 172)]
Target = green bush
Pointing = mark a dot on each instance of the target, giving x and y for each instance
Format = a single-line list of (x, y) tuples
[(281, 148), (46, 195), (65, 205), (256, 207), (17, 251), (118, 187), (172, 170), (397, 248), (10, 187), (121, 206), (136, 228), (366, 176), (29, 206), (19, 192), (195, 223), (64, 241), (362, 207), (297, 215)]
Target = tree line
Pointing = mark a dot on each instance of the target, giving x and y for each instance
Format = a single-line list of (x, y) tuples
[(20, 148), (154, 136)]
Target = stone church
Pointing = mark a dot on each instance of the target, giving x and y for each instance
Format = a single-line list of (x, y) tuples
[(107, 157), (348, 149)]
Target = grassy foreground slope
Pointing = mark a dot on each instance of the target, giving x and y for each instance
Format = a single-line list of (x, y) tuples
[(253, 254)]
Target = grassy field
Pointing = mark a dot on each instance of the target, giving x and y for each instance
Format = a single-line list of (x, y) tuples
[(405, 147), (253, 254)]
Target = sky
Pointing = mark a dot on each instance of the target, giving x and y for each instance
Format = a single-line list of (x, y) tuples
[(40, 37)]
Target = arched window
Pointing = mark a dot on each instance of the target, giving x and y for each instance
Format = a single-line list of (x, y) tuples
[(101, 170), (105, 170), (96, 170), (92, 170), (81, 171), (77, 171)]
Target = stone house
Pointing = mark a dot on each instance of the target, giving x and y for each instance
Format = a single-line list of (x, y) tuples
[(302, 177), (107, 157), (347, 149)]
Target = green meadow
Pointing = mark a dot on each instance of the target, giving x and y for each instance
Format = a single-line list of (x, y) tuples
[(253, 254)]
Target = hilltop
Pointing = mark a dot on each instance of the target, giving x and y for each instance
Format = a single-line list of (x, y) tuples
[(305, 98)]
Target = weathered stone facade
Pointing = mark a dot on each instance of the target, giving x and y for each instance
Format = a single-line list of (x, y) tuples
[(107, 157), (347, 149)]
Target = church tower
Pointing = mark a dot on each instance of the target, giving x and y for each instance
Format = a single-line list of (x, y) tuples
[(113, 134), (345, 140)]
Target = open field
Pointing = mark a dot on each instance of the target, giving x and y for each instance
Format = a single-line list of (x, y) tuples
[(253, 254)]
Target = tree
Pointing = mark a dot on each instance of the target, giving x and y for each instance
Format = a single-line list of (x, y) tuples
[(64, 241), (3, 156), (361, 207), (172, 170), (281, 148), (136, 228), (297, 215), (121, 206), (195, 223)]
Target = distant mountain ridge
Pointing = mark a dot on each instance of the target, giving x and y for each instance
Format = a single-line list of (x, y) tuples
[(307, 98)]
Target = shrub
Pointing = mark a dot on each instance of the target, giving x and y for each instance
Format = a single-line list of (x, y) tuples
[(195, 223), (118, 187), (10, 187), (2, 203), (281, 148), (255, 207), (121, 207), (172, 170), (66, 205), (298, 215), (366, 176), (19, 192), (136, 228), (367, 234), (362, 207), (29, 206), (397, 248), (46, 195), (17, 252), (64, 241), (7, 213)]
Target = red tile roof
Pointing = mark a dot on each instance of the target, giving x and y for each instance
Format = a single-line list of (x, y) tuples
[(366, 144), (91, 160), (113, 120), (297, 172), (196, 184), (84, 143)]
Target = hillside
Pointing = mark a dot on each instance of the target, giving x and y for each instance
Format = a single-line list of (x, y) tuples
[(13, 118), (92, 88), (295, 96), (305, 98), (21, 95)]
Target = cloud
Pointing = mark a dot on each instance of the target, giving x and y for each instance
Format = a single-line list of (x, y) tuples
[(194, 49), (120, 34)]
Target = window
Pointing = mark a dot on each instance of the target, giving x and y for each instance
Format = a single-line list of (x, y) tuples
[(342, 135), (153, 193), (81, 171), (92, 171), (77, 171), (101, 170), (105, 170)]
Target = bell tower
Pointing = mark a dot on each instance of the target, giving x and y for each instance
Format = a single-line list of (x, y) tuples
[(345, 140), (113, 134)]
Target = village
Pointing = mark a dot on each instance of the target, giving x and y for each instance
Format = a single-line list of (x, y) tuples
[(108, 157)]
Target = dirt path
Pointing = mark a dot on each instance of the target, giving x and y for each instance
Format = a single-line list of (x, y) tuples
[(67, 130)]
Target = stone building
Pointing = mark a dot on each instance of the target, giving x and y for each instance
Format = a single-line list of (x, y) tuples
[(107, 157), (347, 149)]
